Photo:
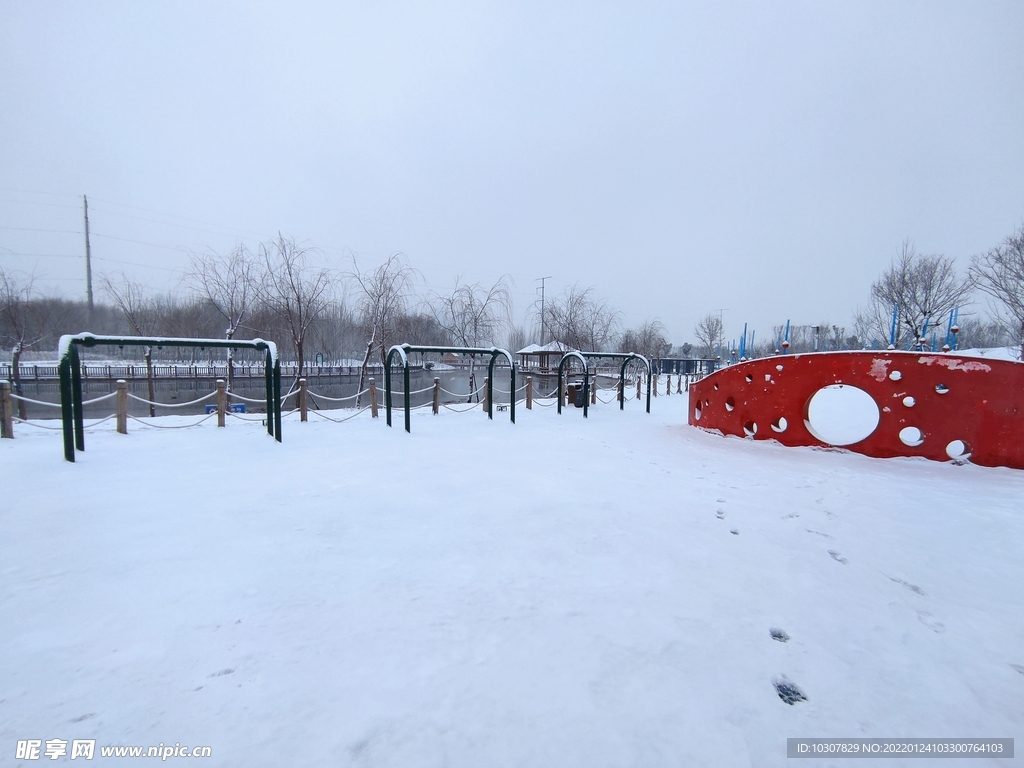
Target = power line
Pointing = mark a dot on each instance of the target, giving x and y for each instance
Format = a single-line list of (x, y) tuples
[(33, 229), (39, 202), (168, 223), (78, 256), (42, 255), (173, 216), (178, 249), (134, 264)]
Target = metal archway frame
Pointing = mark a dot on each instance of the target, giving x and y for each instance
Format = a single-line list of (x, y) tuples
[(586, 379), (70, 372), (403, 351), (626, 357)]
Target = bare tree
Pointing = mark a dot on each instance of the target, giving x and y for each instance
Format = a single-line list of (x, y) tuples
[(709, 333), (582, 321), (976, 333), (141, 313), (24, 322), (922, 289), (648, 340), (383, 296), (516, 338), (294, 290), (474, 316), (228, 283), (1000, 274)]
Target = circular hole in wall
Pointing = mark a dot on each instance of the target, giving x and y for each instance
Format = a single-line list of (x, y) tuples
[(895, 376), (697, 412), (730, 404), (909, 401), (941, 389), (750, 429), (749, 378), (911, 436), (958, 449), (780, 424), (841, 415)]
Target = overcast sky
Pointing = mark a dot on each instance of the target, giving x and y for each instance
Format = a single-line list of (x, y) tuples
[(766, 159)]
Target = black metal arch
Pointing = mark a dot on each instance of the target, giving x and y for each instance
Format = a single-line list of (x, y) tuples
[(626, 357), (403, 351), (70, 371)]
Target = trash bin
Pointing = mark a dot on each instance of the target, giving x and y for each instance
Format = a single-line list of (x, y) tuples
[(579, 397)]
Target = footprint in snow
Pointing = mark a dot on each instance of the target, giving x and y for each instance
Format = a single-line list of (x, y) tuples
[(908, 585), (720, 514), (779, 634), (820, 534), (788, 692), (929, 621), (791, 515), (1018, 667), (837, 557), (721, 501), (735, 532), (222, 673)]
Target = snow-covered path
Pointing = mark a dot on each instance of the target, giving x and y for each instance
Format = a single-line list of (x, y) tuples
[(556, 593)]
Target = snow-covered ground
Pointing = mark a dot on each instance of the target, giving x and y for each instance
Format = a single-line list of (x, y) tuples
[(556, 593)]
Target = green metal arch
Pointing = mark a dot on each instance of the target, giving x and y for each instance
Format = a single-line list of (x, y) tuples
[(403, 351), (586, 379), (626, 357), (70, 371)]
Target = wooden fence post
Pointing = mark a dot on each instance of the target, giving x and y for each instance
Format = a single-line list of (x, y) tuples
[(303, 411), (437, 395), (529, 393), (373, 398), (483, 400), (668, 384), (222, 402), (122, 407), (618, 389), (6, 410), (593, 391), (564, 394), (639, 380), (655, 387), (679, 385)]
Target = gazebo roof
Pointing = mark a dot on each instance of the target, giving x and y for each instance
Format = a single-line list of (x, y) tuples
[(551, 348)]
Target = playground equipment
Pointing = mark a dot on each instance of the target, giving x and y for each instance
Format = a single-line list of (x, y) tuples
[(403, 350), (70, 372), (878, 403), (626, 358)]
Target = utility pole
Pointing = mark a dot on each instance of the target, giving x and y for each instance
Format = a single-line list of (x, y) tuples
[(721, 326), (542, 279), (88, 258)]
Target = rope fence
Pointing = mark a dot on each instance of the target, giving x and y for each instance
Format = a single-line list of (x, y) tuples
[(16, 420), (467, 409), (253, 400), (160, 405), (150, 425), (337, 399), (35, 402), (347, 418), (310, 400)]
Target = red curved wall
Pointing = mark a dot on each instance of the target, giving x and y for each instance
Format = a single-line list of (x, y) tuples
[(983, 403)]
